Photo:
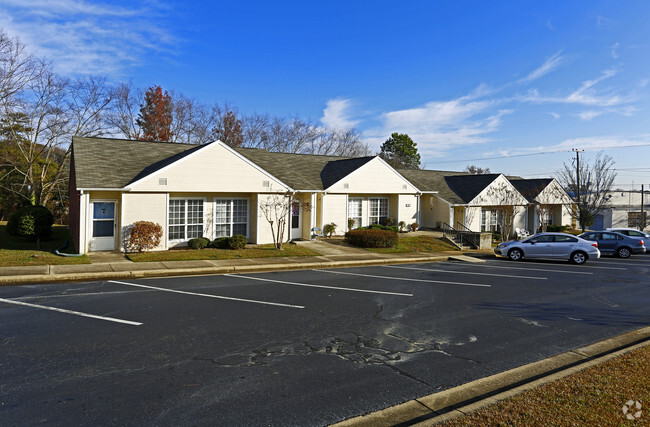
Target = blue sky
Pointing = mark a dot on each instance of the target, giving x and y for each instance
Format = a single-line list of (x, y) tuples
[(472, 82)]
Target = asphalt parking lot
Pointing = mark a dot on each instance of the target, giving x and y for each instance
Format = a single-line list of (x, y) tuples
[(297, 347)]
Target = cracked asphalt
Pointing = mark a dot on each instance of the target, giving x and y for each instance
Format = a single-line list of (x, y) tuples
[(337, 344)]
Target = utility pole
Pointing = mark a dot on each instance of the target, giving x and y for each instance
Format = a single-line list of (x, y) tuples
[(643, 221), (578, 151)]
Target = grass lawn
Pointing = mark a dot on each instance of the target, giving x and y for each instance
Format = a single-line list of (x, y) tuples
[(417, 244), (261, 251), (19, 251), (592, 397)]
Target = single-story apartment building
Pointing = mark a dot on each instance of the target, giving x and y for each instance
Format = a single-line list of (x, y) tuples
[(214, 190)]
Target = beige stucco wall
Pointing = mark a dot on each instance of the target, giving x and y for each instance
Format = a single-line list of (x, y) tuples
[(212, 167), (408, 208), (375, 177), (264, 233), (144, 207), (335, 209), (472, 218), (433, 211)]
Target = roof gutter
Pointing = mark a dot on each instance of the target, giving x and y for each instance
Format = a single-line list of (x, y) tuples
[(103, 189)]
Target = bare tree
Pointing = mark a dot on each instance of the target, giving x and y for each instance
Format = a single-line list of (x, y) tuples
[(125, 109), (590, 193), (276, 208), (17, 68), (39, 116), (475, 170)]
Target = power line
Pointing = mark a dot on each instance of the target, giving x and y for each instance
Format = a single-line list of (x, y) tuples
[(538, 154)]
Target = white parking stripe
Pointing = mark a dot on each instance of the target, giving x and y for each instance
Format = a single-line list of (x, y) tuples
[(614, 262), (76, 313), (406, 279), (208, 295), (602, 268), (465, 272), (522, 268), (318, 286)]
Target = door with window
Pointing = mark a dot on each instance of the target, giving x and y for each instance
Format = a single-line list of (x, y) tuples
[(103, 227), (296, 221)]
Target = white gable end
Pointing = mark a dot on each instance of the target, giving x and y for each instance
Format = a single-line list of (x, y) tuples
[(213, 168), (499, 192), (375, 177), (553, 194)]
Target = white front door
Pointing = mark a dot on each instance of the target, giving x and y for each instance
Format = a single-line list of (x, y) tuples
[(296, 221), (103, 226)]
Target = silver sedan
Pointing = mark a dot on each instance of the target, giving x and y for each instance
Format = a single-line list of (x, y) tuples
[(550, 246)]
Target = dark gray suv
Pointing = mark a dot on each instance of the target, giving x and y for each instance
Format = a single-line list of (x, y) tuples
[(610, 243)]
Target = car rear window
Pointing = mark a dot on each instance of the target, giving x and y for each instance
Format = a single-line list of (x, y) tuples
[(565, 239)]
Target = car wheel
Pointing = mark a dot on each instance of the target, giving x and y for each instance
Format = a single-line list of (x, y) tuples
[(578, 257), (623, 253), (515, 254)]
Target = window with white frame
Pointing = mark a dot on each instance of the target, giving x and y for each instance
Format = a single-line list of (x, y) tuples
[(378, 210), (355, 211), (230, 217), (185, 218), (489, 220)]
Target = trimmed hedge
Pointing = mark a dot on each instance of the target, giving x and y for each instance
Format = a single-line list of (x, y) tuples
[(220, 243), (238, 241), (556, 228), (198, 243), (372, 238), (383, 227)]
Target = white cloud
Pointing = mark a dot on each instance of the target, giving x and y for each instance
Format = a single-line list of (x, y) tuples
[(82, 37), (588, 115), (584, 95), (336, 114), (554, 115), (614, 48), (441, 125), (549, 65)]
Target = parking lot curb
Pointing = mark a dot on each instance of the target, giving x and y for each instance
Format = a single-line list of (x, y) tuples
[(53, 277), (467, 398)]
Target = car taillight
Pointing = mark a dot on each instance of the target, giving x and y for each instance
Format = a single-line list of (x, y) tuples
[(641, 243), (595, 244)]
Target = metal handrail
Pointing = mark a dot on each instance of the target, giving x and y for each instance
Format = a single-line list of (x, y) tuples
[(465, 234)]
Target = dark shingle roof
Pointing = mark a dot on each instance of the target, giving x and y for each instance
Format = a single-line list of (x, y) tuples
[(467, 187), (530, 188), (304, 171), (114, 163), (431, 180)]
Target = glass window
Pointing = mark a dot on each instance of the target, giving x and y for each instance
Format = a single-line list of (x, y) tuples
[(565, 239), (378, 210), (490, 220), (103, 219), (355, 211), (231, 217), (185, 219), (543, 239)]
